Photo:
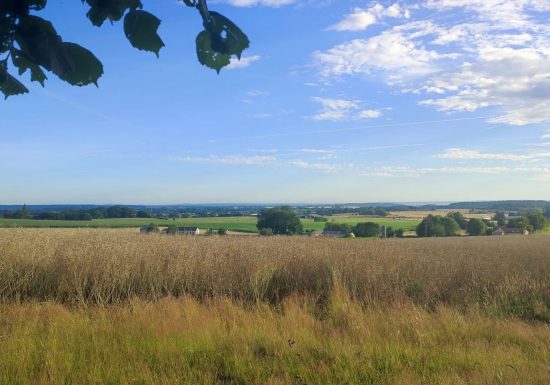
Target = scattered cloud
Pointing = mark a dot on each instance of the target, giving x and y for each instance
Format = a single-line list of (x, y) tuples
[(245, 61), (342, 109), (361, 18), (499, 59)]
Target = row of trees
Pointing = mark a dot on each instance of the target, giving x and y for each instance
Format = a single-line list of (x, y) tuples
[(79, 215), (531, 221), (451, 224), (284, 221), (365, 230)]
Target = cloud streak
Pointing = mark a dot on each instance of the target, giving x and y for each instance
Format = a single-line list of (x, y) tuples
[(462, 154)]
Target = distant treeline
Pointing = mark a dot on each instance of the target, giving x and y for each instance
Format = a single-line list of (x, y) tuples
[(78, 215), (516, 205), (89, 212), (327, 211)]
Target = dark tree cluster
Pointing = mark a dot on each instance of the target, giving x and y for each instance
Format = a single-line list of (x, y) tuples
[(437, 226), (280, 221), (459, 219), (33, 44), (531, 220), (344, 228)]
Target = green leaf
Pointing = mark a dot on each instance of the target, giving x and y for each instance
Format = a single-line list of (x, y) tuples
[(20, 8), (101, 10), (84, 69), (8, 84), (24, 64), (207, 56), (6, 34), (40, 44), (141, 28), (225, 36)]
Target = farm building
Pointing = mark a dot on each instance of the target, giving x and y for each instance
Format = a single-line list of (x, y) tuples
[(510, 231), (188, 231)]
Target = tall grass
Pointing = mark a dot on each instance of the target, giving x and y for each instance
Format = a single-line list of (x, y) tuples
[(218, 342), (501, 276)]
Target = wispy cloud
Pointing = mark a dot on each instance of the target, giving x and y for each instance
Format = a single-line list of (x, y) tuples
[(230, 160), (403, 171), (342, 109), (462, 154), (361, 18), (276, 159), (244, 62), (324, 167), (257, 93)]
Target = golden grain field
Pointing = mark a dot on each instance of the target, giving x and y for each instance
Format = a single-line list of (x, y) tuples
[(85, 306)]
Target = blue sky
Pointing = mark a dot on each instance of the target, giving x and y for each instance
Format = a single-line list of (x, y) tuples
[(335, 101)]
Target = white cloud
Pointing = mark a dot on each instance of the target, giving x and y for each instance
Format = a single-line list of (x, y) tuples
[(507, 13), (369, 114), (391, 52), (499, 59), (342, 109), (361, 18), (243, 63)]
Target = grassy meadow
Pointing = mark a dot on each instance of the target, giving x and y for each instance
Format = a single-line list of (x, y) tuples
[(111, 306), (241, 224)]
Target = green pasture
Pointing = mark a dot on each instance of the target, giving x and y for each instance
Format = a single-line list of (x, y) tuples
[(242, 224)]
